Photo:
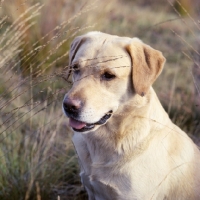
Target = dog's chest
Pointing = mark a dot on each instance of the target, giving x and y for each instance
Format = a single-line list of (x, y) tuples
[(106, 182), (99, 188), (120, 178), (102, 179)]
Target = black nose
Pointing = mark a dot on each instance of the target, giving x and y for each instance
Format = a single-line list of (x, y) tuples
[(72, 107)]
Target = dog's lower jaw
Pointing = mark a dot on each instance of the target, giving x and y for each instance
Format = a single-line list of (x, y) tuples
[(86, 127), (80, 126)]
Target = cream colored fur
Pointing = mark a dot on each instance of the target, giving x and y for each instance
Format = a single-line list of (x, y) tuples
[(138, 154)]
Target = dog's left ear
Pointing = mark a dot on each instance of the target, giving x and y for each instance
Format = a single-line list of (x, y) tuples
[(75, 45), (77, 42), (147, 64)]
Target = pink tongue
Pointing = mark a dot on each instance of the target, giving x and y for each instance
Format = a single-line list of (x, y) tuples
[(76, 124)]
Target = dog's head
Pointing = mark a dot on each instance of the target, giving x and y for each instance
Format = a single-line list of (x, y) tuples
[(107, 72)]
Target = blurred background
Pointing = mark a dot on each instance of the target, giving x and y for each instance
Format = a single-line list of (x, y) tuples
[(37, 157)]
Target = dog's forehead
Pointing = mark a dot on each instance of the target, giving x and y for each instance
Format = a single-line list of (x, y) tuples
[(104, 50)]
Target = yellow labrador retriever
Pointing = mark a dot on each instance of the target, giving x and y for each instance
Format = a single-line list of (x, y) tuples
[(128, 148)]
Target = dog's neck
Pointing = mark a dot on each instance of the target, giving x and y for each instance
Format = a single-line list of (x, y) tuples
[(117, 135)]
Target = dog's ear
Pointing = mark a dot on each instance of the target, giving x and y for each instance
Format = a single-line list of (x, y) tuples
[(147, 64), (75, 45)]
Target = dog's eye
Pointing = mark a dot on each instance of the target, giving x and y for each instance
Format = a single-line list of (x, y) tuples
[(107, 76), (76, 68)]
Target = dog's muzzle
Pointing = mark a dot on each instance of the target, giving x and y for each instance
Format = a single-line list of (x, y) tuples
[(72, 109)]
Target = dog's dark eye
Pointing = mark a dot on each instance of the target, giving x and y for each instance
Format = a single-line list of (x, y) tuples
[(107, 76), (76, 68)]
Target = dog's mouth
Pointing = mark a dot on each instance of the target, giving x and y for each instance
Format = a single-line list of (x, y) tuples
[(80, 126)]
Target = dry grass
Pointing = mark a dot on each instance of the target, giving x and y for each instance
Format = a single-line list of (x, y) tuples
[(37, 157)]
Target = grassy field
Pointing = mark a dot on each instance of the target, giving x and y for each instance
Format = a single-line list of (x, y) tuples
[(37, 157)]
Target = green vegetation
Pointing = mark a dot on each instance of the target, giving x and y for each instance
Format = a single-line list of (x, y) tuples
[(37, 157)]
